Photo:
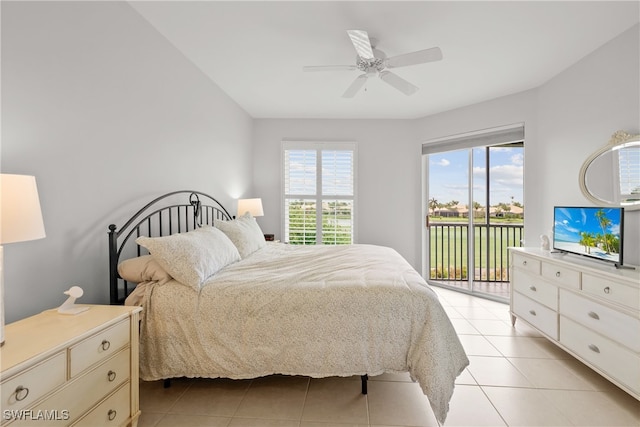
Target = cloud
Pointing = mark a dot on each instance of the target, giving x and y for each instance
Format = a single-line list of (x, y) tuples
[(506, 181), (442, 162), (517, 159), (507, 175)]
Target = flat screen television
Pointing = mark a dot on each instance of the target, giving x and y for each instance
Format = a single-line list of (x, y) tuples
[(591, 232)]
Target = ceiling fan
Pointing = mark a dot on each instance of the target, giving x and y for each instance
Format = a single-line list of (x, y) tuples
[(372, 61)]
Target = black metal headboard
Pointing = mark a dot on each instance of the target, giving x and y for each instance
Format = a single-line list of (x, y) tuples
[(163, 216)]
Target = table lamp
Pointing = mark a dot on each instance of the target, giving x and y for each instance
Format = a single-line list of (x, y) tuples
[(20, 220), (253, 206)]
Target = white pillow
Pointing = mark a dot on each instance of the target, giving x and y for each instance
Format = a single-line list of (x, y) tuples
[(245, 233), (191, 258), (142, 269)]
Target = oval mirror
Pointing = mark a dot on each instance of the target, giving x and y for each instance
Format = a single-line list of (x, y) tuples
[(611, 175)]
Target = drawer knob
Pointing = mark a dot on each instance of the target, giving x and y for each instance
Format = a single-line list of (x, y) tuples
[(112, 414), (524, 262), (105, 345), (594, 348), (111, 376), (533, 288), (532, 312), (21, 393), (607, 290), (557, 274), (594, 315)]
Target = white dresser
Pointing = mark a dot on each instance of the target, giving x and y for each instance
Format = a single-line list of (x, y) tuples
[(79, 370), (592, 311)]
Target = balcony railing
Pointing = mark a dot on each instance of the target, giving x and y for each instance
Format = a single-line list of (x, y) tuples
[(449, 250)]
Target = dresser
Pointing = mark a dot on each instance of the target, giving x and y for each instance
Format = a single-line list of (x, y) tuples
[(592, 311), (80, 370)]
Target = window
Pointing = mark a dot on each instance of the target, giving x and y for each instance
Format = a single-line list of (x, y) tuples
[(319, 207), (629, 170)]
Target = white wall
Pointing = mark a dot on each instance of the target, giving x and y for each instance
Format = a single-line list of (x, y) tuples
[(106, 114), (578, 111), (388, 164), (566, 119)]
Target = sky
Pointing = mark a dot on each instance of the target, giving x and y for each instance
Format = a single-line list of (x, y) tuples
[(449, 175), (570, 222)]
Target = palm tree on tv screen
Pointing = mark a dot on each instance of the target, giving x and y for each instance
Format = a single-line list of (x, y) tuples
[(587, 240), (604, 223)]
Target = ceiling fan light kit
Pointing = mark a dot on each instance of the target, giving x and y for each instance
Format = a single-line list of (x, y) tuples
[(372, 62)]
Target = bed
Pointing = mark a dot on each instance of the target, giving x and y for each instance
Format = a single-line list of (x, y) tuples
[(220, 302)]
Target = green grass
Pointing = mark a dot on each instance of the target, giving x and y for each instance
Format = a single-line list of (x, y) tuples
[(449, 247)]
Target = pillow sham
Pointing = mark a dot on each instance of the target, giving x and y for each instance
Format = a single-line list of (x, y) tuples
[(245, 233), (142, 269), (192, 257)]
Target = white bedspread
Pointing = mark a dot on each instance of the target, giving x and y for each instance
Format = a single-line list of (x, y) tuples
[(298, 310)]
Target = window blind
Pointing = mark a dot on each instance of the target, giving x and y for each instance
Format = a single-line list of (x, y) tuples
[(490, 137), (319, 192)]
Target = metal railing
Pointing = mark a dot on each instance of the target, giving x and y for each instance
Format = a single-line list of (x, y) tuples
[(448, 242)]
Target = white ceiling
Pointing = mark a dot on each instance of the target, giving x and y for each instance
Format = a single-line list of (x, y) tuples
[(255, 51)]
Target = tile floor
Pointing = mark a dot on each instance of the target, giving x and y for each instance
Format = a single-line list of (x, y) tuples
[(516, 378)]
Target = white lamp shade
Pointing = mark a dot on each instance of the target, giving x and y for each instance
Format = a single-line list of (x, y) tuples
[(20, 214), (253, 206)]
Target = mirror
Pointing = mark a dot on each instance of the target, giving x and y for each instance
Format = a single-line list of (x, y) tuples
[(611, 175)]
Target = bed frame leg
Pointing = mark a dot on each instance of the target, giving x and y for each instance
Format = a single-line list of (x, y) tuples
[(364, 379), (167, 383)]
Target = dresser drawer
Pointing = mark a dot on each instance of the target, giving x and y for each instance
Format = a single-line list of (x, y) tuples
[(88, 389), (561, 275), (526, 263), (535, 288), (98, 347), (611, 323), (543, 318), (611, 291), (114, 411), (22, 390), (617, 361)]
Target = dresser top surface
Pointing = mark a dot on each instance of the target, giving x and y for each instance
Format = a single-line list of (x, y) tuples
[(630, 276), (48, 332)]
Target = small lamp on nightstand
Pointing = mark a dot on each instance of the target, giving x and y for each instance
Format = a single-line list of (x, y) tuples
[(20, 220), (253, 206)]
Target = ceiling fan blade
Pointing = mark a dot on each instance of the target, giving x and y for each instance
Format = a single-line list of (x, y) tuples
[(355, 86), (361, 42), (398, 82), (414, 58), (329, 68)]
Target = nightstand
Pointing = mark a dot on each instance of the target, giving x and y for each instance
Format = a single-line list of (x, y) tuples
[(72, 369)]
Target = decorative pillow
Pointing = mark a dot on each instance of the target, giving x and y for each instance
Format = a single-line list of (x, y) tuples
[(142, 269), (192, 257), (245, 233)]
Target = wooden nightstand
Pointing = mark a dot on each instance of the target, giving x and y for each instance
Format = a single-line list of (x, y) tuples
[(72, 369)]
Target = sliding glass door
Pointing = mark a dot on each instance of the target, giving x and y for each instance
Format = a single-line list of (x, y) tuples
[(474, 212)]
